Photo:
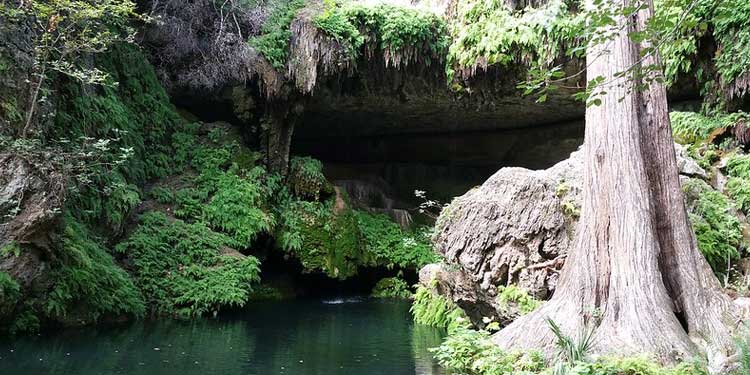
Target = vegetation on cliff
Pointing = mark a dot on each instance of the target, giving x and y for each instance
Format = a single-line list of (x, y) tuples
[(162, 215)]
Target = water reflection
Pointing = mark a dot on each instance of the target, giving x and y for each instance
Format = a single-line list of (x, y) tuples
[(300, 337)]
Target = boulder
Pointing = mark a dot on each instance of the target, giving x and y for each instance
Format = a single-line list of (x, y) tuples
[(515, 228), (32, 193)]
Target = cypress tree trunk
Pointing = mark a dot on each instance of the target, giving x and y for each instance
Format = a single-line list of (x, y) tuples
[(635, 275)]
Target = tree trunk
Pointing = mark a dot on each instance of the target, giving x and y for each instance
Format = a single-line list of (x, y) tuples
[(277, 136), (635, 274), (34, 99)]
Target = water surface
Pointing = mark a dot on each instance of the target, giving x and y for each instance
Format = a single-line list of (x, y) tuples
[(351, 336)]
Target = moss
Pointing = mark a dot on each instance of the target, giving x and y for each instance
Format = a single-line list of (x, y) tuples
[(306, 178), (391, 287), (321, 239)]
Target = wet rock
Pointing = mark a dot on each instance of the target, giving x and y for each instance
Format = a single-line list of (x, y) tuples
[(32, 193)]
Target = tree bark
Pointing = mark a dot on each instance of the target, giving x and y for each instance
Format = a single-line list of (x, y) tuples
[(277, 138), (635, 274), (33, 102)]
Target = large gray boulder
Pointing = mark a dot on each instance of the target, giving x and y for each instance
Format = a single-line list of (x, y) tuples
[(516, 228)]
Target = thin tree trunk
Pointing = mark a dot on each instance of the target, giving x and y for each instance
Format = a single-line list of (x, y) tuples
[(634, 274), (32, 105)]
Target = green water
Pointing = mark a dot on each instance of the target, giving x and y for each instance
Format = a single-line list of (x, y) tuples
[(297, 337)]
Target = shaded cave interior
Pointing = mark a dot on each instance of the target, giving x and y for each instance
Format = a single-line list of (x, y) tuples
[(381, 155)]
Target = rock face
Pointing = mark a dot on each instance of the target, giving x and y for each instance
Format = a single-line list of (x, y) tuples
[(514, 229), (32, 193)]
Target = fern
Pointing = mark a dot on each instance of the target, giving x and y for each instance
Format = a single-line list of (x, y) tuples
[(391, 246), (180, 269), (739, 166), (434, 310), (519, 297), (89, 284), (717, 230), (236, 209)]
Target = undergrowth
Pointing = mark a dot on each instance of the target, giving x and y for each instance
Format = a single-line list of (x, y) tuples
[(88, 283), (472, 352), (717, 229), (435, 310), (181, 270), (391, 287)]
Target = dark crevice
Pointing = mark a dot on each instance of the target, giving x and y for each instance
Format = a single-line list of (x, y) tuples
[(682, 319), (287, 274)]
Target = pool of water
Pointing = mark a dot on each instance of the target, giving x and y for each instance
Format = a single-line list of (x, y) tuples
[(352, 336)]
